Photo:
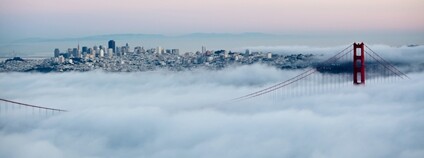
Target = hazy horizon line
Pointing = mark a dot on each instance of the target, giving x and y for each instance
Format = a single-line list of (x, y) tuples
[(259, 33)]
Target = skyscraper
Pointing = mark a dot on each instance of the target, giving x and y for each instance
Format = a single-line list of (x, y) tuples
[(159, 50), (111, 45), (203, 49), (56, 52), (75, 52), (84, 49), (78, 55), (78, 48)]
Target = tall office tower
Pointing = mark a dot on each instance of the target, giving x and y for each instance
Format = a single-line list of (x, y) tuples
[(159, 50), (90, 50), (203, 49), (84, 49), (101, 53), (247, 52), (78, 55), (124, 50), (56, 52), (96, 50), (78, 48), (68, 53), (75, 52), (118, 51), (111, 44)]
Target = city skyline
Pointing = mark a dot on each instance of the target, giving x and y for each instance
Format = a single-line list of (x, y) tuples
[(211, 78), (60, 18)]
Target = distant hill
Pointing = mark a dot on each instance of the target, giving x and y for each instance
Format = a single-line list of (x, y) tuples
[(150, 36), (93, 38), (228, 35)]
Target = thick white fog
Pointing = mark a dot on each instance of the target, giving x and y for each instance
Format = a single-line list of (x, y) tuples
[(166, 114), (407, 58), (398, 54)]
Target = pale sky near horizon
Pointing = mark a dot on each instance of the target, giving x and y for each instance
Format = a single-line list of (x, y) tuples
[(73, 18)]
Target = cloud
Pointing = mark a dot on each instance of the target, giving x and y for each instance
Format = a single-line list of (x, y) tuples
[(402, 53), (408, 59), (181, 114)]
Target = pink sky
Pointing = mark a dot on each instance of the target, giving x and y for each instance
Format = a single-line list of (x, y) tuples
[(56, 18)]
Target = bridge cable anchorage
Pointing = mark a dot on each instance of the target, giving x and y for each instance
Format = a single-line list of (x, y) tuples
[(385, 66), (293, 79), (32, 106), (387, 63)]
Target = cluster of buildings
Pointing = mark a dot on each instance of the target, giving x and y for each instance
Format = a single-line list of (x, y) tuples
[(102, 52), (126, 59)]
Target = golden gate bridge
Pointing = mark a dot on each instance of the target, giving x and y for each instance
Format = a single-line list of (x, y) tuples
[(338, 69), (347, 67)]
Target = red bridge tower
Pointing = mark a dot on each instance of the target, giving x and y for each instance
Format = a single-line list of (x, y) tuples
[(358, 64)]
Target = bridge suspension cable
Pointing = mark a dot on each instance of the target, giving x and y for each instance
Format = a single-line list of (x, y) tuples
[(293, 79), (32, 106), (386, 64)]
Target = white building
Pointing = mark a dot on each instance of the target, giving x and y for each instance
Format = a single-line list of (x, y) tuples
[(61, 59), (269, 55), (159, 50), (110, 52), (210, 59), (236, 57), (102, 53)]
